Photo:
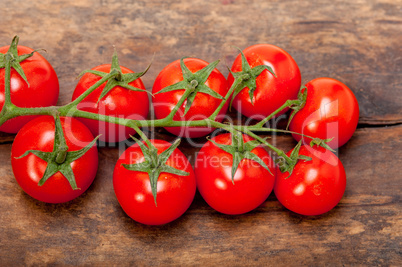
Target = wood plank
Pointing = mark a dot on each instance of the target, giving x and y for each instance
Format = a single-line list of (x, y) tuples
[(365, 228), (357, 42)]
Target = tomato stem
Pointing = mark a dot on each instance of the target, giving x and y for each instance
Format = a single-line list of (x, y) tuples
[(61, 154), (191, 84), (7, 94), (236, 83), (113, 74), (178, 105), (287, 104)]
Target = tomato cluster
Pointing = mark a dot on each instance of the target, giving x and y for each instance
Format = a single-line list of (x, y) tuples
[(54, 158)]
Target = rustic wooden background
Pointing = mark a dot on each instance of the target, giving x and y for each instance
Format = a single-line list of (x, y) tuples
[(358, 42)]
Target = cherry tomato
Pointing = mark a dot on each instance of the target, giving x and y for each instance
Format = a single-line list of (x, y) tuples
[(203, 105), (331, 111), (119, 102), (315, 186), (271, 92), (133, 188), (39, 134), (42, 91), (250, 187)]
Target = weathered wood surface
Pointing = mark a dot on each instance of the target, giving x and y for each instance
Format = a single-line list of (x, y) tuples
[(357, 42)]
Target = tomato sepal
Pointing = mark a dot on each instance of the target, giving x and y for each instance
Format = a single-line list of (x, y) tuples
[(240, 150), (9, 60), (117, 78), (298, 104), (247, 77), (193, 83), (287, 165), (155, 164), (15, 59), (60, 159), (322, 143)]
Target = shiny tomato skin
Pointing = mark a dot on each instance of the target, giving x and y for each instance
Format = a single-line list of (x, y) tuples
[(331, 111), (314, 187), (42, 91), (133, 189), (203, 105), (38, 134), (252, 183), (271, 92), (119, 102)]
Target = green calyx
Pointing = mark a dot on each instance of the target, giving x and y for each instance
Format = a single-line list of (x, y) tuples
[(289, 164), (298, 104), (248, 77), (14, 59), (241, 150), (117, 78), (193, 83), (10, 60), (60, 159), (155, 164), (322, 143)]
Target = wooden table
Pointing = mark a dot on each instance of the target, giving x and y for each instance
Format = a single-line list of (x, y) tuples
[(356, 42)]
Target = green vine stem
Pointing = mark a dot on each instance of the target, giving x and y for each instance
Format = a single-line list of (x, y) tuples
[(9, 111), (7, 94), (8, 105)]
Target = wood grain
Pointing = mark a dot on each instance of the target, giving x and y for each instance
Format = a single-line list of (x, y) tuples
[(357, 42), (365, 228)]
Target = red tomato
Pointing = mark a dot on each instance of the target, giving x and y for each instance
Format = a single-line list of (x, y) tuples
[(119, 102), (133, 189), (315, 186), (43, 89), (331, 111), (252, 183), (203, 105), (271, 92), (39, 134)]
